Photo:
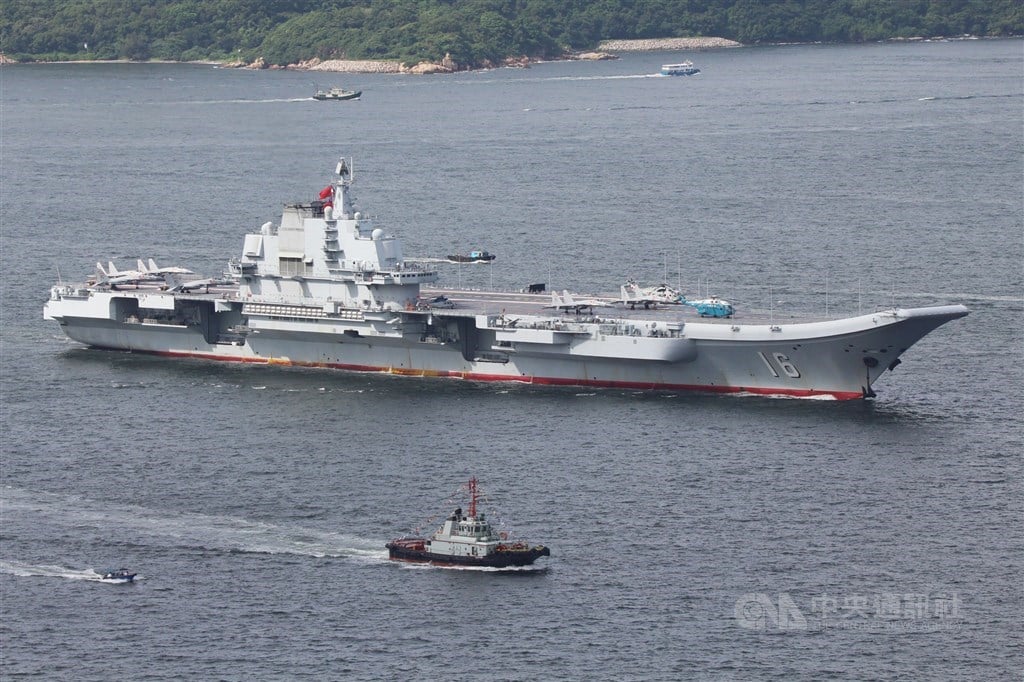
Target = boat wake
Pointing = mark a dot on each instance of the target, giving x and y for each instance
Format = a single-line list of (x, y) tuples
[(606, 78), (782, 396), (144, 527), (272, 100), (963, 296), (551, 79), (23, 570), (428, 260)]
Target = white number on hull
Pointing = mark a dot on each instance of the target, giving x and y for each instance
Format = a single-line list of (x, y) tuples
[(787, 367)]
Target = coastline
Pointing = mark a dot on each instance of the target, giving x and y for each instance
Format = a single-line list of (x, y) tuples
[(607, 49), (603, 51)]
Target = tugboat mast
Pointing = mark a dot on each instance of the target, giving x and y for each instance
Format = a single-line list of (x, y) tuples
[(472, 497)]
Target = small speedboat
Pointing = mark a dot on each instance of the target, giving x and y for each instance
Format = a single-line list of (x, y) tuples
[(682, 69), (119, 575), (466, 540), (337, 94), (473, 257)]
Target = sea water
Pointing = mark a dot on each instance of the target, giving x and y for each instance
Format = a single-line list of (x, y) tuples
[(692, 536)]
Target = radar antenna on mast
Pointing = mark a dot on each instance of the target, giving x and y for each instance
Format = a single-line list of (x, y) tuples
[(344, 169)]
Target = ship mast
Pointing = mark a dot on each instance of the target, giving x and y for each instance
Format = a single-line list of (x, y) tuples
[(343, 207), (472, 497)]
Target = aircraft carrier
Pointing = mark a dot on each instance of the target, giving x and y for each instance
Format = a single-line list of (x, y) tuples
[(326, 288)]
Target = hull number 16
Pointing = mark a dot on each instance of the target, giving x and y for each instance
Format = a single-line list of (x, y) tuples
[(782, 363)]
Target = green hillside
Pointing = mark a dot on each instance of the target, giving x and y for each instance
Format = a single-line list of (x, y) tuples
[(473, 32)]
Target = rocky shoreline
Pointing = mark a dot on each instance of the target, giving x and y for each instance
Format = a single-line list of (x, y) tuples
[(664, 44), (335, 65), (606, 50), (446, 65)]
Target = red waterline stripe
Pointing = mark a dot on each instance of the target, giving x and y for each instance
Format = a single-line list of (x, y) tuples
[(543, 381)]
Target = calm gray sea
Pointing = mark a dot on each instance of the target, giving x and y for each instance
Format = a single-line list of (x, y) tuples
[(692, 536)]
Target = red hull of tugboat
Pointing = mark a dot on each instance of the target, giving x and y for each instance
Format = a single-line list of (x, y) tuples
[(414, 550)]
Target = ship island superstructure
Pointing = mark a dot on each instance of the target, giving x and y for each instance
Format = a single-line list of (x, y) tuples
[(327, 288)]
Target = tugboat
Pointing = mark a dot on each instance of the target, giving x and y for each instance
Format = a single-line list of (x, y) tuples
[(466, 540), (119, 575)]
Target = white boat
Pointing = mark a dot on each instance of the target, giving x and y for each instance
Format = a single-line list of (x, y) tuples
[(337, 94), (682, 69), (327, 288)]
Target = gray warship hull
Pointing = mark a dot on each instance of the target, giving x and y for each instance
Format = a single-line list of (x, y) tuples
[(324, 288), (837, 358)]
